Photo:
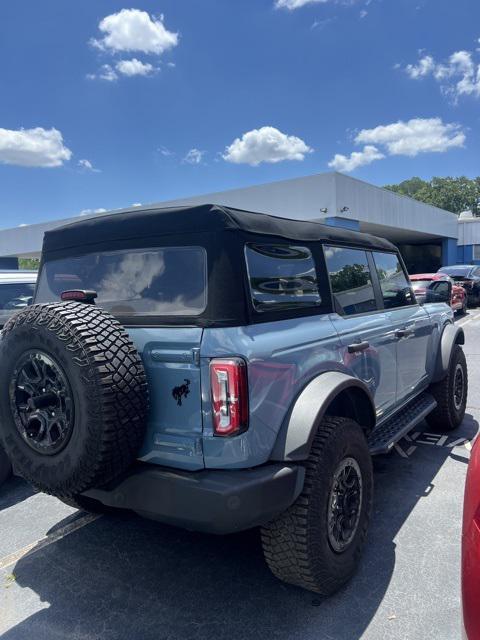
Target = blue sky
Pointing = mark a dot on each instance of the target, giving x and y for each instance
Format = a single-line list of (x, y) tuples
[(105, 103)]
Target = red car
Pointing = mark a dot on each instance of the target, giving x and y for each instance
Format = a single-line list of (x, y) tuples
[(429, 287), (471, 548)]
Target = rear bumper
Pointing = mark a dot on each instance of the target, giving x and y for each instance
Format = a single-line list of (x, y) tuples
[(212, 501)]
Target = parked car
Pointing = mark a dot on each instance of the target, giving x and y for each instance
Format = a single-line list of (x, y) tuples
[(16, 292), (439, 287), (469, 277), (471, 547), (220, 370)]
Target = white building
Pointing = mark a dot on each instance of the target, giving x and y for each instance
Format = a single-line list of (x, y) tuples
[(427, 236)]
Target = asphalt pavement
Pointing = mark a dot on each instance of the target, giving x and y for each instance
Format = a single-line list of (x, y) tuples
[(64, 573)]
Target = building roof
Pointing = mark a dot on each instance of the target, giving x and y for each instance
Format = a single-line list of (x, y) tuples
[(155, 224)]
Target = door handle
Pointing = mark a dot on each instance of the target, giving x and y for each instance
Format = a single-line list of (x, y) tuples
[(403, 333), (356, 347)]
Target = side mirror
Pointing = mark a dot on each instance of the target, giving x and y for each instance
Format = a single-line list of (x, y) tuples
[(439, 293)]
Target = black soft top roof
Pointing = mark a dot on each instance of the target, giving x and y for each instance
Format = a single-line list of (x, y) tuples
[(110, 231)]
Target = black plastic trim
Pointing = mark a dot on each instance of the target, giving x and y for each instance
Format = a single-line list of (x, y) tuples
[(212, 501)]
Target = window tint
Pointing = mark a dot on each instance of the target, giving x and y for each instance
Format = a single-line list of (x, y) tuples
[(162, 281), (281, 277), (350, 279), (396, 289)]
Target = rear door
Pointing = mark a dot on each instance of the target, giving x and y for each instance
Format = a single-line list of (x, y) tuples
[(364, 329), (410, 322)]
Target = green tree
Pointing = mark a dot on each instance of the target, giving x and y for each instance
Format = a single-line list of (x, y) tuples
[(453, 194), (351, 276), (29, 263)]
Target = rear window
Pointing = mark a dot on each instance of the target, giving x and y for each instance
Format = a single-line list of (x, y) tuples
[(168, 281), (281, 277)]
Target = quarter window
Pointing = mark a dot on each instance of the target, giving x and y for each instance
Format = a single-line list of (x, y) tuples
[(350, 279), (396, 288), (281, 277)]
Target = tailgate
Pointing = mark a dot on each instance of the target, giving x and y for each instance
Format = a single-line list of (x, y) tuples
[(171, 359)]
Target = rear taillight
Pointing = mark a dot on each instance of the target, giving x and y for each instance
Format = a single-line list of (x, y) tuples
[(228, 379)]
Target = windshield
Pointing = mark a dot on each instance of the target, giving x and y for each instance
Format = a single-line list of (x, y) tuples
[(457, 271), (161, 281)]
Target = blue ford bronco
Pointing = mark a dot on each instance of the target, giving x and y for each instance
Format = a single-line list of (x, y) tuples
[(219, 370)]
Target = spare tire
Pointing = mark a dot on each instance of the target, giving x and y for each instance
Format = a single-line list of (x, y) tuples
[(73, 397)]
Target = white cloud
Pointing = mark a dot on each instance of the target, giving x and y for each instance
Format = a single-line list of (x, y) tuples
[(423, 68), (363, 13), (295, 4), (165, 151), (194, 156), (135, 30), (134, 67), (355, 159), (33, 147), (87, 212), (265, 145), (137, 204), (459, 76), (106, 72), (418, 135), (87, 165)]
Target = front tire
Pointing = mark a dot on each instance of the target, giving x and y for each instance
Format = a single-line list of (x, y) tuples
[(317, 543), (450, 394)]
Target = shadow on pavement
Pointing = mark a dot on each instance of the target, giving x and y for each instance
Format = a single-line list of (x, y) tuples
[(126, 578), (13, 491)]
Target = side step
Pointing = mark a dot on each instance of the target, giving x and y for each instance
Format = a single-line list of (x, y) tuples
[(383, 438)]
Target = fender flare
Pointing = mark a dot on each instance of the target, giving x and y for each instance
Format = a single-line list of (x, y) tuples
[(296, 434), (451, 336)]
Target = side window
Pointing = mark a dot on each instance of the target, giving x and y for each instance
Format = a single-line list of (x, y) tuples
[(351, 280), (281, 277), (396, 289)]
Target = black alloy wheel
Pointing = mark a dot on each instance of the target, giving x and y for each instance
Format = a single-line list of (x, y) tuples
[(42, 402)]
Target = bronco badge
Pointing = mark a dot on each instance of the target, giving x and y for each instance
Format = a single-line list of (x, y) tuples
[(181, 391)]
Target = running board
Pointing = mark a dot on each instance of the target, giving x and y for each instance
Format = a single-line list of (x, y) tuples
[(383, 438)]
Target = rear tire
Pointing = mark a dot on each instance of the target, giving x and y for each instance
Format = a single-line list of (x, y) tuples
[(314, 545), (450, 394)]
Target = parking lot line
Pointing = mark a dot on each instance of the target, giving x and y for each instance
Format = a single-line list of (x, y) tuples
[(49, 539)]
